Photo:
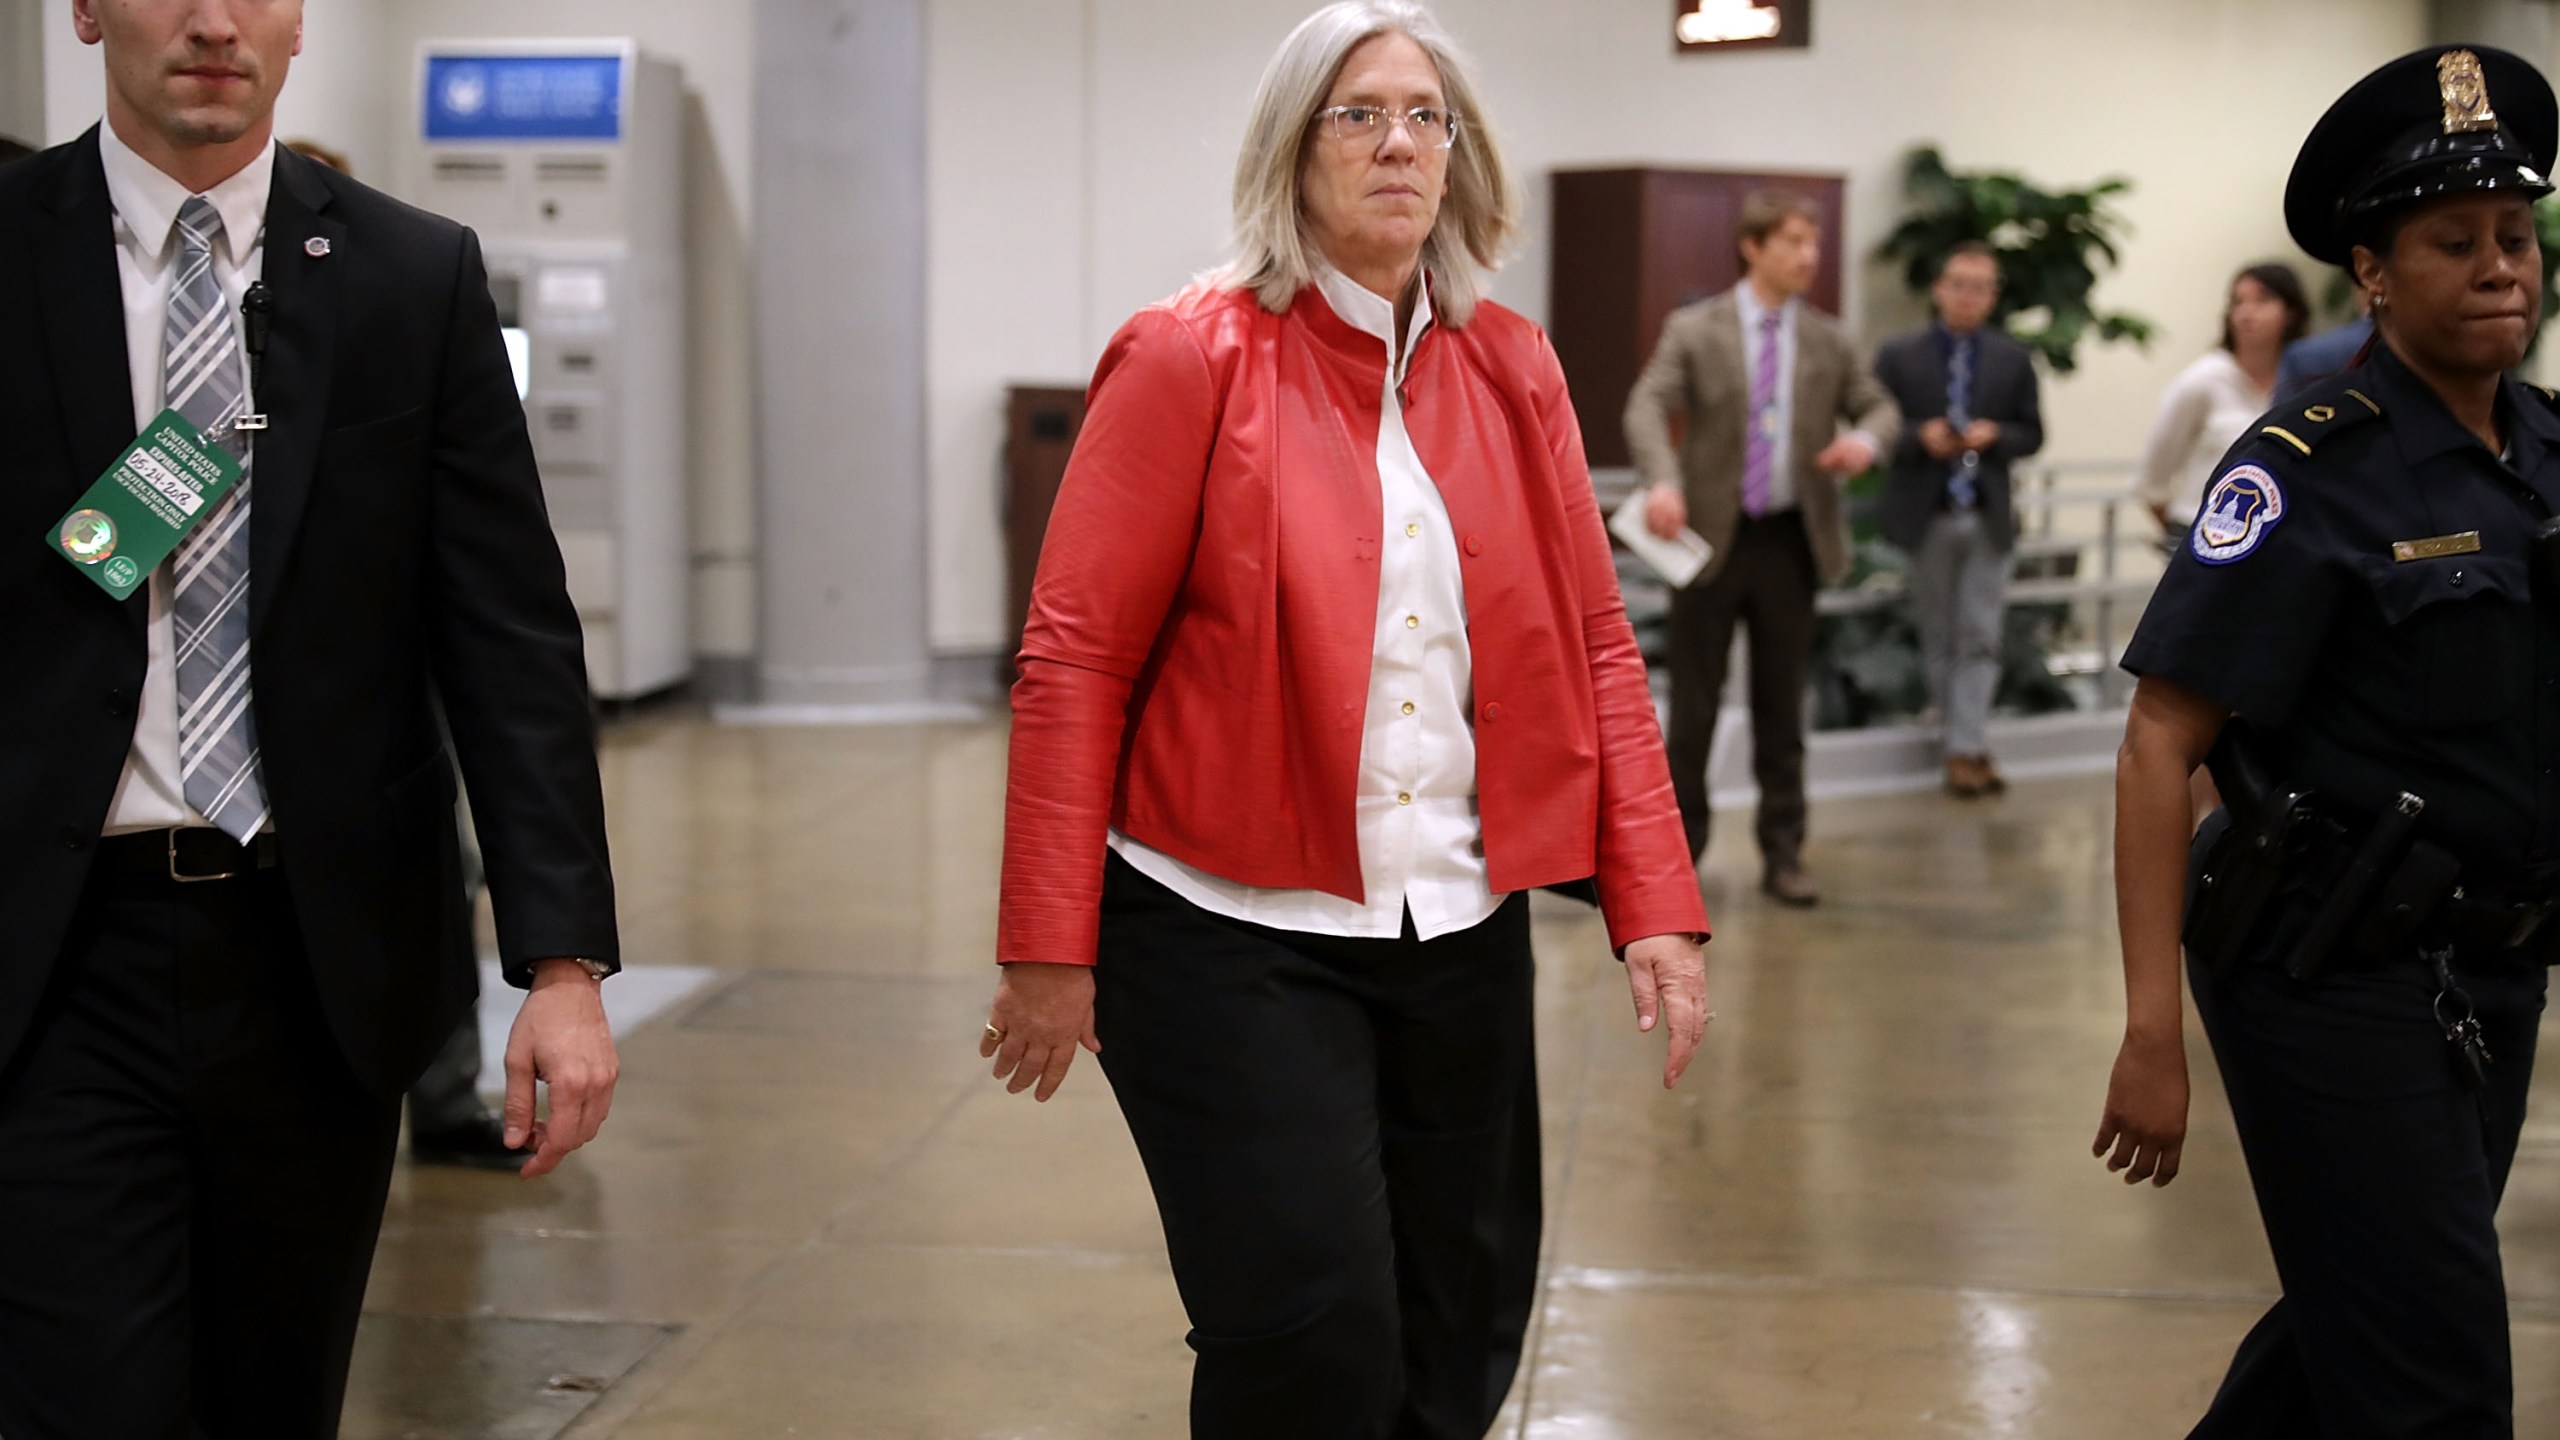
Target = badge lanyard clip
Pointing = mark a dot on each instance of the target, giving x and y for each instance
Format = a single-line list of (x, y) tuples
[(255, 308)]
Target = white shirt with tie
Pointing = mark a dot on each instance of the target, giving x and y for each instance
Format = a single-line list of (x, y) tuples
[(1421, 840), (1782, 411), (151, 795)]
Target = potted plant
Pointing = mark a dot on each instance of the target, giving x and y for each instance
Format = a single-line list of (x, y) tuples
[(2051, 246)]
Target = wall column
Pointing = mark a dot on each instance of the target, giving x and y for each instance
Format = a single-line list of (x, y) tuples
[(839, 252)]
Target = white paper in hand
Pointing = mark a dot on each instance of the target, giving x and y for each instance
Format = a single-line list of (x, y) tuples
[(1677, 560)]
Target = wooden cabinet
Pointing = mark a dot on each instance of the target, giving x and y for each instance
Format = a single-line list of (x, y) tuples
[(1040, 427), (1631, 246)]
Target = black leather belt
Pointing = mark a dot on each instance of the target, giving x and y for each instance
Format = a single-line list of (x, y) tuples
[(187, 855)]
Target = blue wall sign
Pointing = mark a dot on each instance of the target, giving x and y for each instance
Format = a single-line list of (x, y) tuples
[(524, 97)]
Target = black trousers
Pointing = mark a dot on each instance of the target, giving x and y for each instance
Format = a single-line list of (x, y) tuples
[(2378, 1173), (1342, 1136), (1767, 583), (446, 1098), (191, 1178)]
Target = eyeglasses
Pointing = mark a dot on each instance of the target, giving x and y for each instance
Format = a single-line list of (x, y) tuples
[(1432, 127)]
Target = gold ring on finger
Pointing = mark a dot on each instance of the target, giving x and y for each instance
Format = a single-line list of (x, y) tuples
[(995, 1034)]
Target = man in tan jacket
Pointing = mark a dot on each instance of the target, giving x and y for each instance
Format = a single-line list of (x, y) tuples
[(1762, 383)]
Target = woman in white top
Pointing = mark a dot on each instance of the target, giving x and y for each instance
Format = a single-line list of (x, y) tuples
[(1326, 668), (2214, 401)]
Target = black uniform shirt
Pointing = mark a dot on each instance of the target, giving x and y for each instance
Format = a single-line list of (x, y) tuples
[(2368, 672)]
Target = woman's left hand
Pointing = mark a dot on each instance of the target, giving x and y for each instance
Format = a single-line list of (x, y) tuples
[(1668, 975), (1042, 1012)]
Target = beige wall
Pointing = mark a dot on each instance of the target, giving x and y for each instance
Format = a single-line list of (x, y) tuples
[(352, 89), (1081, 153), (22, 115), (337, 93)]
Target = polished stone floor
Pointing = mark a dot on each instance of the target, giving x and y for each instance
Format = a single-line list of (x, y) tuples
[(1869, 1212)]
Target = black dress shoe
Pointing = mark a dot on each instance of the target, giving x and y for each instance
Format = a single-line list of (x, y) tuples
[(481, 1144), (1790, 886)]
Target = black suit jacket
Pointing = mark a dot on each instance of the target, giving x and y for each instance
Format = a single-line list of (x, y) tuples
[(1914, 368), (401, 564)]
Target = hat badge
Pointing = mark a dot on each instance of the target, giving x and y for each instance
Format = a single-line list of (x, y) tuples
[(2466, 93), (317, 247)]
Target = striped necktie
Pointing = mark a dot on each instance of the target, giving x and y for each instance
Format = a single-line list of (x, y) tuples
[(1963, 488), (205, 376), (1760, 446)]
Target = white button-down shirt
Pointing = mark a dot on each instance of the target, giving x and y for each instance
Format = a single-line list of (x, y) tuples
[(1781, 418), (151, 795), (1421, 841)]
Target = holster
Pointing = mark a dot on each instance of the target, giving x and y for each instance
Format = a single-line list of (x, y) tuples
[(2241, 856), (2237, 874)]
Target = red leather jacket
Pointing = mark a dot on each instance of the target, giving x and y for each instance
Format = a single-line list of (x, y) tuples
[(1196, 663)]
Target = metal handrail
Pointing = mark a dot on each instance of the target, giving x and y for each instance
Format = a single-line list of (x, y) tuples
[(2043, 493), (2040, 494)]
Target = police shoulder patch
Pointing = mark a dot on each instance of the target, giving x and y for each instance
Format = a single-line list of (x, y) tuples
[(2238, 512)]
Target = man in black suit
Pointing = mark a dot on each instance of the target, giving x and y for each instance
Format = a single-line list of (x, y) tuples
[(1968, 398), (231, 921)]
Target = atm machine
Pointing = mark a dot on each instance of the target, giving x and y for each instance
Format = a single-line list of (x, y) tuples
[(566, 157)]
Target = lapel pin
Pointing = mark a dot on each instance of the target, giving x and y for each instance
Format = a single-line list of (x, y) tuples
[(317, 247)]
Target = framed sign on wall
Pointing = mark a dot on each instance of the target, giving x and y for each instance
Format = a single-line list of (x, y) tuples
[(1701, 27)]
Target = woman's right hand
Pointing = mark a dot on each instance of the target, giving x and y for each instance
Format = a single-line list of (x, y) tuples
[(2146, 1117), (1042, 1012), (1667, 974)]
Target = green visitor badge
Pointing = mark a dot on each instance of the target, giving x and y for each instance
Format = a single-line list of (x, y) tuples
[(161, 487)]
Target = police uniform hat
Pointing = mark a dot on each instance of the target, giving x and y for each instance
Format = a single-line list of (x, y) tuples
[(2446, 120)]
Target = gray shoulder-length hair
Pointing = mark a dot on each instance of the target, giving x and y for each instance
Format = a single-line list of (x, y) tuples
[(1275, 258)]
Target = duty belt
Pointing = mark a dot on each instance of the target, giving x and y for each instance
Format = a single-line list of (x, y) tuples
[(2365, 884), (2496, 922)]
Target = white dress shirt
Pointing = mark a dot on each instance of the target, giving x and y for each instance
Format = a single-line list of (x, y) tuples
[(2211, 404), (151, 795), (1782, 475), (1421, 841)]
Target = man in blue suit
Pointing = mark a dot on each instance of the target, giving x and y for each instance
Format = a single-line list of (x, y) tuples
[(1968, 391), (2317, 357)]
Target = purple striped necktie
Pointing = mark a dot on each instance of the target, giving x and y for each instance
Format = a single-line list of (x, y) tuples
[(1760, 446)]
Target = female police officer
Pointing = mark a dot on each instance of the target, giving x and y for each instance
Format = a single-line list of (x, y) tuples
[(2350, 632)]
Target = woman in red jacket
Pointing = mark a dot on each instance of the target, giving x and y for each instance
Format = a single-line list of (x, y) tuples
[(1326, 669)]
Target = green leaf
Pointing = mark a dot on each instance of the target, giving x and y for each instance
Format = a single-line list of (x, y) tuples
[(2052, 246)]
